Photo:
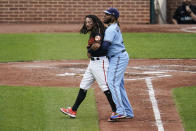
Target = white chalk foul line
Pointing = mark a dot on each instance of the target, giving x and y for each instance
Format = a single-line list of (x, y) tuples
[(158, 74), (154, 105), (134, 79), (70, 74), (189, 29), (154, 67)]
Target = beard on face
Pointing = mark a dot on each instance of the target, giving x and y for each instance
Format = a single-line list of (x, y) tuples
[(107, 21)]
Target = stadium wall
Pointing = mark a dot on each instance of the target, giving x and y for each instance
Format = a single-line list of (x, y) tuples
[(71, 11)]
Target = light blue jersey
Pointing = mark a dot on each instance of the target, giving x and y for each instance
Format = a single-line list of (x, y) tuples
[(114, 36), (118, 61)]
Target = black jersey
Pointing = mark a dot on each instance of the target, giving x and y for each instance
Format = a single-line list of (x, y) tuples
[(100, 51), (183, 17)]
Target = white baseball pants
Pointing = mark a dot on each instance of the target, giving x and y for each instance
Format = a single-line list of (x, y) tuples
[(96, 70)]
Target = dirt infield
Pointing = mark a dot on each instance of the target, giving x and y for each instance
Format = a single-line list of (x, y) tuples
[(163, 75), (51, 28), (148, 81)]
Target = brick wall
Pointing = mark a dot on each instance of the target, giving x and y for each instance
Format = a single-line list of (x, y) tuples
[(71, 11), (172, 6)]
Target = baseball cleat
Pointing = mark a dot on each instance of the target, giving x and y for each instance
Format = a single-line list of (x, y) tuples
[(117, 116), (112, 120), (68, 112), (128, 117)]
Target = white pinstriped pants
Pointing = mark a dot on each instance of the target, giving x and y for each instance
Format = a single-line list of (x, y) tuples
[(96, 70)]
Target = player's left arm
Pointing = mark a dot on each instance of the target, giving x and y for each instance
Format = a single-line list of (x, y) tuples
[(191, 12)]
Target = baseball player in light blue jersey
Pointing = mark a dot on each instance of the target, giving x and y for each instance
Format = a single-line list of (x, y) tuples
[(118, 61)]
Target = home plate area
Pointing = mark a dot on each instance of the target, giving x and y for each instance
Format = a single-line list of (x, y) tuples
[(147, 72)]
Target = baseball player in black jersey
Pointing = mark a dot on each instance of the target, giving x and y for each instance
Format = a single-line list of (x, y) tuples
[(185, 14), (98, 66)]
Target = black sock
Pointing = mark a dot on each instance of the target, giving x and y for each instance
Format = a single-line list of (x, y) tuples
[(79, 99), (110, 100)]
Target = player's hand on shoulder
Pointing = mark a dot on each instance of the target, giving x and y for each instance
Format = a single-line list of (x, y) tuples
[(98, 38)]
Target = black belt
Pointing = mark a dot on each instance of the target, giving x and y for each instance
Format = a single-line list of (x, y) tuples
[(93, 59), (120, 52)]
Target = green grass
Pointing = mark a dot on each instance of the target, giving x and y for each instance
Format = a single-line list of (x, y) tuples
[(186, 104), (160, 45), (37, 109), (28, 47)]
